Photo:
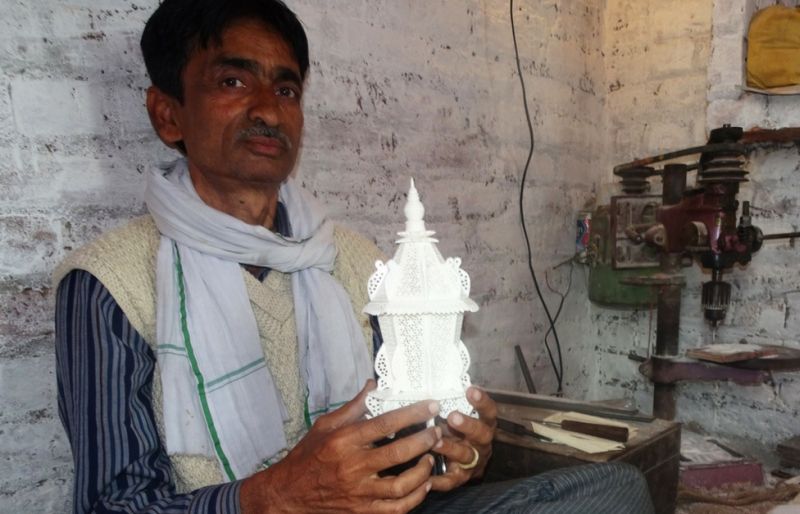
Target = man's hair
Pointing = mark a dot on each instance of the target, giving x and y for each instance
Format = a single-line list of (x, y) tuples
[(178, 27)]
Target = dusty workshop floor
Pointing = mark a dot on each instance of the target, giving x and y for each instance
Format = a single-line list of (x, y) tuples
[(765, 499), (710, 508)]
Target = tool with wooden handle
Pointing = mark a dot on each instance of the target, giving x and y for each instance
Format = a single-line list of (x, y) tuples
[(612, 433)]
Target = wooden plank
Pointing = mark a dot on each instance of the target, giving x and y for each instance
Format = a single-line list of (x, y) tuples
[(724, 353), (541, 401)]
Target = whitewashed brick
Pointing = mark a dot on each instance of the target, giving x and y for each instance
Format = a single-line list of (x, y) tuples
[(93, 19), (684, 20), (30, 244), (22, 19), (725, 71), (675, 58), (70, 180), (730, 17), (747, 111), (57, 107), (6, 129)]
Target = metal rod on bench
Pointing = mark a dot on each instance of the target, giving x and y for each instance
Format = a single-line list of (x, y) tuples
[(525, 371)]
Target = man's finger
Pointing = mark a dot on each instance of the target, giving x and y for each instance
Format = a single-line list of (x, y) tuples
[(456, 451), (450, 480), (403, 504), (483, 403), (400, 486), (476, 431), (348, 413), (403, 449), (388, 424)]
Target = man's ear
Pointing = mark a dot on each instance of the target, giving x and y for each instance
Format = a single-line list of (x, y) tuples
[(162, 109)]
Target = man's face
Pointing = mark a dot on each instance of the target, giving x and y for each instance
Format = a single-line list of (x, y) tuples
[(241, 119)]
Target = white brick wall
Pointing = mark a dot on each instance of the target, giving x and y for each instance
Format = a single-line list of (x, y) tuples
[(56, 107)]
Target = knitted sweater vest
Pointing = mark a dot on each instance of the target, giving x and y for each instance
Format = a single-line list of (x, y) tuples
[(124, 260)]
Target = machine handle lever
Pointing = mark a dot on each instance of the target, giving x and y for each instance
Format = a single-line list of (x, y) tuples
[(785, 235)]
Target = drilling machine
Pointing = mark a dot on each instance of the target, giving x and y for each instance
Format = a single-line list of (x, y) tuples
[(644, 240)]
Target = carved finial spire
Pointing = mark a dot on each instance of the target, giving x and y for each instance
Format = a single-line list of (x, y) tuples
[(414, 211)]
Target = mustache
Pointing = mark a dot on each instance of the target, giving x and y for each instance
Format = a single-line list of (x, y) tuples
[(261, 129)]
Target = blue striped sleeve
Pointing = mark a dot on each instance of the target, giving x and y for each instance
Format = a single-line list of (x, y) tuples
[(105, 371)]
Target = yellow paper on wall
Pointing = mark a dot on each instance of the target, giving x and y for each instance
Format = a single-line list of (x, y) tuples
[(773, 48)]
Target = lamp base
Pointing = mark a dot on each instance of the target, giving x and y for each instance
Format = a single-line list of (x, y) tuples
[(386, 400)]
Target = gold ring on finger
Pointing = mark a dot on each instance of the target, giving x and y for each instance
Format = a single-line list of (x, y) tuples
[(474, 461)]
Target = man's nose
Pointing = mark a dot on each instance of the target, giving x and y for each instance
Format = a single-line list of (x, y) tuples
[(265, 107)]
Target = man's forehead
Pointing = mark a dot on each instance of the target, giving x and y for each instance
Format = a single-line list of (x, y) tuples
[(247, 44)]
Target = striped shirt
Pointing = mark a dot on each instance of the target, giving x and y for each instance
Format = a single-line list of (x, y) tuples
[(104, 369), (105, 373)]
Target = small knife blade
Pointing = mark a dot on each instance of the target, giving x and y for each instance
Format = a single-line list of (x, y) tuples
[(518, 429)]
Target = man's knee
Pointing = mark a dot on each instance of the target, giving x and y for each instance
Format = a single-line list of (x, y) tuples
[(608, 487), (625, 474), (626, 487)]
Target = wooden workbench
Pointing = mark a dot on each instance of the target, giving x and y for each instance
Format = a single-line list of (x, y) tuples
[(654, 449)]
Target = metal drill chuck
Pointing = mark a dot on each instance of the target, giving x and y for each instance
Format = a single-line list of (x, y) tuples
[(716, 298)]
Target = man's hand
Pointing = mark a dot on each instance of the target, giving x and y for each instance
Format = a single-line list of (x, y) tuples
[(465, 439), (334, 468)]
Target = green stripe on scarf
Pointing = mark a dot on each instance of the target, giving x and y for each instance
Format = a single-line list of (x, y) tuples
[(201, 389), (229, 377)]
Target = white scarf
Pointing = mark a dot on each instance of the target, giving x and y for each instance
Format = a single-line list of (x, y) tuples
[(219, 396)]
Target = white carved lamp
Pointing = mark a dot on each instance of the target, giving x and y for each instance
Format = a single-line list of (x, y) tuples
[(420, 299)]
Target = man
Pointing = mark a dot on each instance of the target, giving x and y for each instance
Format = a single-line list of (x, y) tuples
[(210, 355)]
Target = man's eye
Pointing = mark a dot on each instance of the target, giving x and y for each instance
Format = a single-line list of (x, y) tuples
[(232, 82), (287, 92)]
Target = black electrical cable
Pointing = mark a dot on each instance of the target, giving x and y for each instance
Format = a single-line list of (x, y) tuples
[(560, 302), (558, 370)]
